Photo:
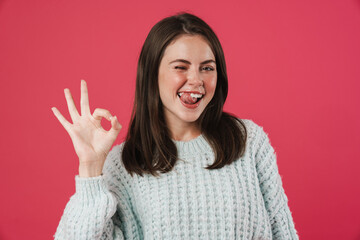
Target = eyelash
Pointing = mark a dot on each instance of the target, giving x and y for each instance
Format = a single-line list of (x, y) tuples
[(184, 68)]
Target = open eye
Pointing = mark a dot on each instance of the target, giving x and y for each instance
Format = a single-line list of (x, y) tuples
[(207, 68)]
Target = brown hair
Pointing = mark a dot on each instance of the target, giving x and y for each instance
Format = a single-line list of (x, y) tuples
[(148, 147)]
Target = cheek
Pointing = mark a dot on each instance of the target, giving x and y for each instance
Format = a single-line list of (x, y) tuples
[(174, 81), (211, 85), (170, 83)]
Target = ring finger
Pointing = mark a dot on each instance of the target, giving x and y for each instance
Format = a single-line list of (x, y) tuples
[(71, 105)]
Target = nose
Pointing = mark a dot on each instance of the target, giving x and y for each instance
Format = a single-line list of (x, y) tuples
[(194, 78)]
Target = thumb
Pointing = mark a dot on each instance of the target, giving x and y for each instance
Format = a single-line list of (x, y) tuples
[(115, 126)]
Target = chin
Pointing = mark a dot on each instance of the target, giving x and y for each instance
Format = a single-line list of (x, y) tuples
[(190, 118)]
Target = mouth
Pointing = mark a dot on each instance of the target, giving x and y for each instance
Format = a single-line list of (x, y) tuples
[(190, 97)]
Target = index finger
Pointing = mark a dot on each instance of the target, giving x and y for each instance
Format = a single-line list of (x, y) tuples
[(84, 101)]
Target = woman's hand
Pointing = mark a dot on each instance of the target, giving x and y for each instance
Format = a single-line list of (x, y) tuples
[(92, 143)]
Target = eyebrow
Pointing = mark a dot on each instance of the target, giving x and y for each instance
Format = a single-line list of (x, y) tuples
[(187, 62)]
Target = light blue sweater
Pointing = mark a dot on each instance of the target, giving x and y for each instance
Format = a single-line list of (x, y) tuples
[(243, 200)]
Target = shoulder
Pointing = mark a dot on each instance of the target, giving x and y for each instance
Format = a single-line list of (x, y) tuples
[(116, 150), (253, 129), (113, 166), (257, 137), (114, 156)]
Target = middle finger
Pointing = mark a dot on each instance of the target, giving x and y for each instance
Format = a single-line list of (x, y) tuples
[(84, 101)]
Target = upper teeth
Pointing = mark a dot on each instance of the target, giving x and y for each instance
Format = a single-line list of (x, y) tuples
[(194, 95)]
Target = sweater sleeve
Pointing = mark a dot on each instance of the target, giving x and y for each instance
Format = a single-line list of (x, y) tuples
[(93, 211), (276, 201)]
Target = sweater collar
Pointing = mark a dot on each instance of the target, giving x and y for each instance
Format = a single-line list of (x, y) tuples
[(195, 145)]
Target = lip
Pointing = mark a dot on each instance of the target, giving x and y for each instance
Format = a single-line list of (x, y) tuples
[(196, 92), (191, 106)]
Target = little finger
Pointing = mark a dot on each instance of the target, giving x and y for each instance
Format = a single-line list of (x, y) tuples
[(61, 119)]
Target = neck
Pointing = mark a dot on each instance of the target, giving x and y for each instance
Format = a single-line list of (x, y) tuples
[(184, 132)]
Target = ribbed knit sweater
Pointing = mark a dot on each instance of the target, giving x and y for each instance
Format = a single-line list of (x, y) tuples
[(243, 200)]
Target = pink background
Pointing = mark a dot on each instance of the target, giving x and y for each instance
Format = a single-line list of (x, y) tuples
[(293, 68)]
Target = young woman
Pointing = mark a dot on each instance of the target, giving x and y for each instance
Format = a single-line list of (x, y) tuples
[(187, 170)]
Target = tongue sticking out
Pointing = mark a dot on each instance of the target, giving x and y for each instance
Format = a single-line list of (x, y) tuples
[(187, 98)]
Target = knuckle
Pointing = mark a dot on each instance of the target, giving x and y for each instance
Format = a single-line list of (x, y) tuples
[(105, 112)]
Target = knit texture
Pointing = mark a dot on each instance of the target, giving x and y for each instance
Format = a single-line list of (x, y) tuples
[(243, 200)]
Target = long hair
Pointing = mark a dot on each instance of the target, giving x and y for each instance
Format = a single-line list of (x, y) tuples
[(148, 147)]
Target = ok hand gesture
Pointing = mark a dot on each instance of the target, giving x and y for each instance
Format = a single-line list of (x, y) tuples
[(91, 142)]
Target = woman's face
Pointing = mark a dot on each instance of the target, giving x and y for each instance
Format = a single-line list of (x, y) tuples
[(187, 80)]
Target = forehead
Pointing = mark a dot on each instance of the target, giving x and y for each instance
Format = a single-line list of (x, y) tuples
[(187, 46)]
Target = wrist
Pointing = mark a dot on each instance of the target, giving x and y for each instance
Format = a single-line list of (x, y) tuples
[(90, 170)]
